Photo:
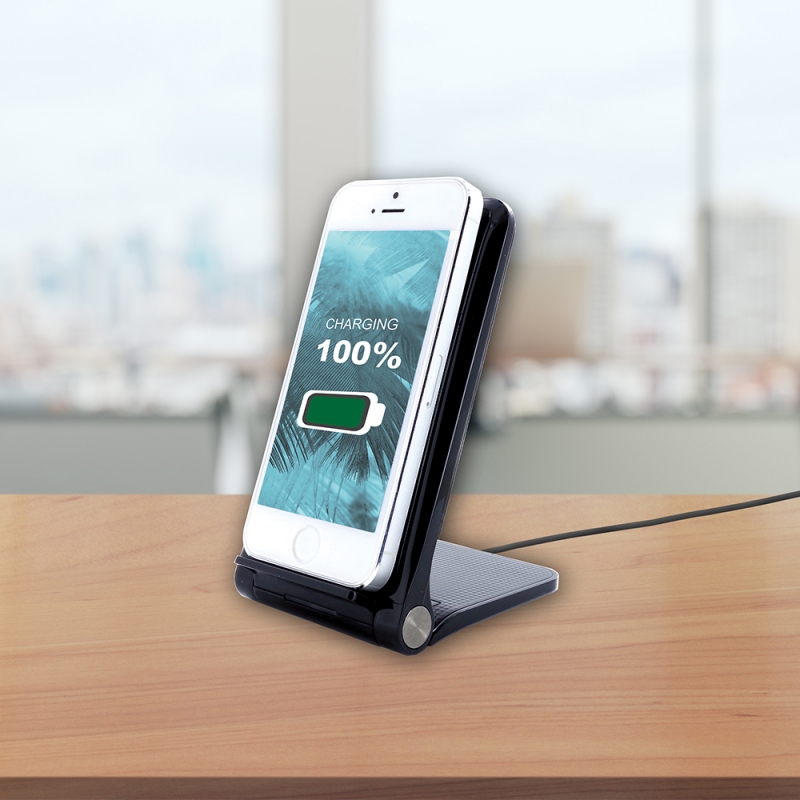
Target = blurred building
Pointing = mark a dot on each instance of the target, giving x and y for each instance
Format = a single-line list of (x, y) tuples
[(651, 313), (128, 326), (755, 281), (561, 292), (568, 235)]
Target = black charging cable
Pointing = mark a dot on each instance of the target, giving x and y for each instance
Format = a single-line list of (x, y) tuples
[(645, 523)]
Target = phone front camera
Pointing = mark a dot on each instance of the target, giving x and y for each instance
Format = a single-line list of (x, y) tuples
[(396, 195), (373, 210)]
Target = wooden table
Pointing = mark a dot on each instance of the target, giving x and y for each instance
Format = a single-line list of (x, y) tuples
[(668, 663)]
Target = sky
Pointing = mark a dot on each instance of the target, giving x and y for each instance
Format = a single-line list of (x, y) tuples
[(120, 115), (537, 99)]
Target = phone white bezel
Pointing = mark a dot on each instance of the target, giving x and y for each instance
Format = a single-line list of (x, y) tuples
[(350, 556)]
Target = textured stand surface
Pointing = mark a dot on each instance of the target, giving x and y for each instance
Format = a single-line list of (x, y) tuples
[(470, 585)]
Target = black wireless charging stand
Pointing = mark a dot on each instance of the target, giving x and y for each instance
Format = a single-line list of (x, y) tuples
[(437, 588)]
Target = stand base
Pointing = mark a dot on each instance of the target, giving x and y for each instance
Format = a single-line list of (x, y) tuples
[(469, 585)]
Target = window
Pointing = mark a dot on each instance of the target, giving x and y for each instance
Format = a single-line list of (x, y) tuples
[(138, 217), (584, 117)]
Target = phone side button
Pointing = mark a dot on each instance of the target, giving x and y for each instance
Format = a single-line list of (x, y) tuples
[(436, 372), (306, 544)]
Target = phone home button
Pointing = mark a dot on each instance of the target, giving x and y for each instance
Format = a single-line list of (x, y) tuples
[(306, 544)]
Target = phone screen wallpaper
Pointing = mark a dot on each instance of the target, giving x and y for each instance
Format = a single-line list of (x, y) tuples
[(352, 377)]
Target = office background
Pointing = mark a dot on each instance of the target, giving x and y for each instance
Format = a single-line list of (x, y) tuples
[(165, 170)]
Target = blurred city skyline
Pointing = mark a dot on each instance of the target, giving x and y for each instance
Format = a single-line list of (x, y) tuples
[(142, 220), (141, 214)]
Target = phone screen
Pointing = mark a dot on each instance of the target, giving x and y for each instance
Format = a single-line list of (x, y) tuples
[(351, 380)]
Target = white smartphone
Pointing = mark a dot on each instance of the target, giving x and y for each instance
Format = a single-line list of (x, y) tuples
[(353, 415)]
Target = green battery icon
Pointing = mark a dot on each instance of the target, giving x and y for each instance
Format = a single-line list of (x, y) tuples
[(343, 412)]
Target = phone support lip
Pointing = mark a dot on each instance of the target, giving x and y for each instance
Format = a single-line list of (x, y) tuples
[(436, 587)]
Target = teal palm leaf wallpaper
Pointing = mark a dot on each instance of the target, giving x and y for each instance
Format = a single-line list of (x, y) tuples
[(364, 330)]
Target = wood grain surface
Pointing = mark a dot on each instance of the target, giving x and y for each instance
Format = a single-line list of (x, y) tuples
[(671, 653)]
